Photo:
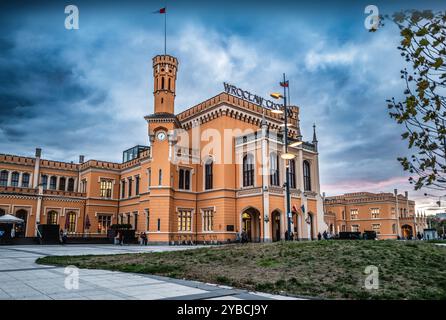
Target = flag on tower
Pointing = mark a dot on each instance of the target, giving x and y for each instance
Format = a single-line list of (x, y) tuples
[(284, 84), (162, 10)]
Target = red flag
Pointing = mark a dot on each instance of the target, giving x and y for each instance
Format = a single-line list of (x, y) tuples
[(284, 84), (162, 10)]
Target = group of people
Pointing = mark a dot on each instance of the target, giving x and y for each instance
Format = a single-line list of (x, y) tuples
[(63, 236), (324, 235)]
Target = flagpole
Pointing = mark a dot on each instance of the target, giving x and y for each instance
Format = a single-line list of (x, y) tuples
[(165, 31)]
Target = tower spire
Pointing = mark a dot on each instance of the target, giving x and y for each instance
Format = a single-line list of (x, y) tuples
[(314, 136)]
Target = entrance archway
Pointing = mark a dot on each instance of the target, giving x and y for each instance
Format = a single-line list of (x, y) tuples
[(406, 231), (20, 228), (275, 225), (251, 224)]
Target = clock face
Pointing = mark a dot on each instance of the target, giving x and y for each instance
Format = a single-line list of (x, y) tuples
[(161, 135)]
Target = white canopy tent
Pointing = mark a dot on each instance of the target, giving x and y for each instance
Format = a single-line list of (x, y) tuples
[(8, 218)]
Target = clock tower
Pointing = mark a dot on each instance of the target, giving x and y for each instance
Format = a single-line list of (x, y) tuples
[(161, 125)]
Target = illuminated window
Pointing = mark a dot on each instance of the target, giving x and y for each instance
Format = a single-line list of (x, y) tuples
[(208, 220), (71, 216), (51, 217), (104, 223), (353, 214), (106, 188), (184, 220), (377, 228), (375, 213)]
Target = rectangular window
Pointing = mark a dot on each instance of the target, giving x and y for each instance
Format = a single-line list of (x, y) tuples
[(160, 177), (208, 220), (343, 228), (44, 182), (149, 178), (184, 179), (159, 224), (123, 189), (184, 220), (106, 188), (135, 216), (375, 213), (104, 223), (355, 227), (25, 180), (15, 179), (354, 214), (376, 228), (53, 183), (84, 185), (343, 214), (137, 185), (147, 220), (4, 178), (130, 188)]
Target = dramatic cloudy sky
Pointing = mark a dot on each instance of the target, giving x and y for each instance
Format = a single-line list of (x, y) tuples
[(86, 91)]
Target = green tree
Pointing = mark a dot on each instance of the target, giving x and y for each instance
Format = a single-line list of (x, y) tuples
[(422, 111)]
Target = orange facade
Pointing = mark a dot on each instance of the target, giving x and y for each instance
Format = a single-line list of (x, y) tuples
[(209, 173), (389, 215)]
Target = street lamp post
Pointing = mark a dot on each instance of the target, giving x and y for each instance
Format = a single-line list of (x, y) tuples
[(286, 156)]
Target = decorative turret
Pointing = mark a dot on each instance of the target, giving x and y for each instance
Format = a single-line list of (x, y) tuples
[(165, 75), (314, 136)]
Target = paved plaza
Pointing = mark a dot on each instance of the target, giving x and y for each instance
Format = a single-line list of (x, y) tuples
[(22, 278)]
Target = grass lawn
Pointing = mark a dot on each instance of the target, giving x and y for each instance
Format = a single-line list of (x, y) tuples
[(324, 269)]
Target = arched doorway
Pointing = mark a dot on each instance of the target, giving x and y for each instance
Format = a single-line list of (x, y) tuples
[(275, 225), (406, 231), (311, 221), (20, 228), (251, 224)]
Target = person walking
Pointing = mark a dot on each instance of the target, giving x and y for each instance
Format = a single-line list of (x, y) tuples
[(319, 236)]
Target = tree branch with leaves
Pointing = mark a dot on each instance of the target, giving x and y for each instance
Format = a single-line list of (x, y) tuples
[(422, 112)]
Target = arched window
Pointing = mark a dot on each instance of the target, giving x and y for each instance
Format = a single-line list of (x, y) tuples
[(168, 84), (71, 224), (44, 182), (248, 170), (160, 177), (274, 169), (15, 179), (4, 178), (208, 173), (25, 180), (53, 182), (62, 182), (307, 176), (71, 184), (292, 170), (162, 83), (51, 217)]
